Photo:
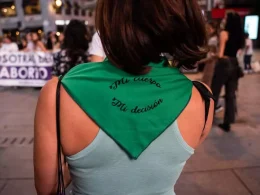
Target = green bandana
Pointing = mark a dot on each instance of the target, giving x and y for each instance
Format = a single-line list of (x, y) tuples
[(132, 110)]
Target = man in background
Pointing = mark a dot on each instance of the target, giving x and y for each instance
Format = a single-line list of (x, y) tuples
[(248, 54)]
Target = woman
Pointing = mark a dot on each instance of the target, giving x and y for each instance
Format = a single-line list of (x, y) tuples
[(51, 40), (128, 124), (213, 28), (59, 44), (30, 45), (74, 51), (9, 45), (22, 44), (210, 61), (227, 71), (38, 45), (48, 40)]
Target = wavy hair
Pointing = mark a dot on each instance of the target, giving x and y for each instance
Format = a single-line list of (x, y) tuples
[(76, 42), (234, 27), (136, 32)]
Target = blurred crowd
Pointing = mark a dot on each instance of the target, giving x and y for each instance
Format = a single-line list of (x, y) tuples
[(32, 42), (69, 48), (229, 57), (75, 45), (244, 53)]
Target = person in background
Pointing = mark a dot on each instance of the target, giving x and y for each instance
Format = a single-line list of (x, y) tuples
[(227, 70), (248, 54), (74, 49), (48, 41), (1, 39), (37, 43), (22, 44), (210, 60), (56, 44), (96, 50), (30, 45), (128, 124), (61, 38), (59, 42), (51, 40), (213, 31), (8, 45)]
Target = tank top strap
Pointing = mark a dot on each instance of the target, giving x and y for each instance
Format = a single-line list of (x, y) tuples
[(206, 95)]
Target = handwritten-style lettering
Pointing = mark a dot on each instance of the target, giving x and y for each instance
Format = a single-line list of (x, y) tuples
[(117, 103), (117, 83), (138, 110), (147, 80)]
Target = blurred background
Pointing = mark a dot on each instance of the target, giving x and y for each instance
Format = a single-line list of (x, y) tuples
[(32, 33)]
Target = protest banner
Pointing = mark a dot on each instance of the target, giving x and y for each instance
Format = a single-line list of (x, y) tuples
[(25, 69)]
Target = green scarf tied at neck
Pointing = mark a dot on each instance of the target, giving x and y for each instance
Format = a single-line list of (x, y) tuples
[(132, 110)]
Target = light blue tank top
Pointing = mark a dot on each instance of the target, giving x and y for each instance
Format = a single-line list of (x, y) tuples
[(103, 168)]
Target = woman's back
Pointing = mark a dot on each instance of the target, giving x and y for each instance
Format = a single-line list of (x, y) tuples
[(74, 48), (232, 47), (104, 168), (235, 34), (128, 124), (100, 164), (63, 63)]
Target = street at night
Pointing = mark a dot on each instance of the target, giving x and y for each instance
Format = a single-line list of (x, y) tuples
[(127, 97), (225, 164)]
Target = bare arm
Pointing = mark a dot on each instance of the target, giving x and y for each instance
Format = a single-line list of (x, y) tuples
[(195, 114), (45, 142), (222, 43)]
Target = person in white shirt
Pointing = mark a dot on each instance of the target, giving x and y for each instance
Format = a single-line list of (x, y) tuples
[(30, 46), (38, 45), (8, 45), (96, 50), (248, 53)]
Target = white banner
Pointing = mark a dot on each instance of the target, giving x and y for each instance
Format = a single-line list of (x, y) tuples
[(25, 69)]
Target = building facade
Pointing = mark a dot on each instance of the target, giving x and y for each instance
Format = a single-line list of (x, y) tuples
[(44, 15), (52, 15)]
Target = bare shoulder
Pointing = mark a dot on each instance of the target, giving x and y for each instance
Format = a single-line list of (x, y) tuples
[(48, 92), (46, 105), (192, 120), (223, 35)]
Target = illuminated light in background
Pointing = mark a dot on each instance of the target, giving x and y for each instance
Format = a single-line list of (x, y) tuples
[(12, 7), (59, 22), (17, 33), (251, 26), (58, 34), (67, 22), (58, 3), (4, 10), (86, 22), (40, 31)]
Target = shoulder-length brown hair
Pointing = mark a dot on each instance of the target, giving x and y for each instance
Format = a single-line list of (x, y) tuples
[(136, 32)]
